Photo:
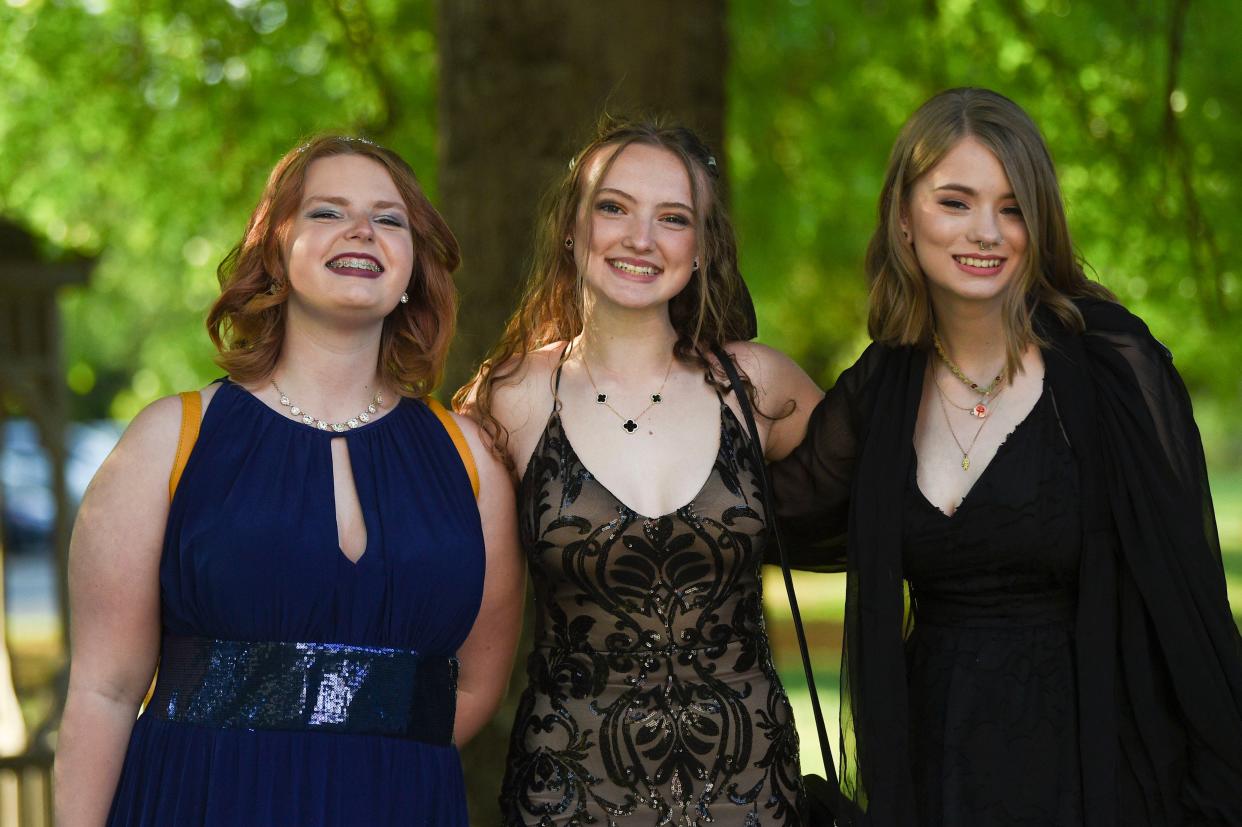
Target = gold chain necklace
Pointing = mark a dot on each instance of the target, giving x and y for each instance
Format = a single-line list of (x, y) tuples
[(965, 451), (630, 424), (980, 408), (322, 424)]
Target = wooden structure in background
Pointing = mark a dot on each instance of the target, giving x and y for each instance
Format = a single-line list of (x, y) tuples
[(32, 385)]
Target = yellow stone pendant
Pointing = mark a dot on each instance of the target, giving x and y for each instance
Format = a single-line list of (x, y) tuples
[(965, 463)]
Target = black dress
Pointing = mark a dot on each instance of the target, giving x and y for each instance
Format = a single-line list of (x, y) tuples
[(1155, 712), (990, 668), (652, 699)]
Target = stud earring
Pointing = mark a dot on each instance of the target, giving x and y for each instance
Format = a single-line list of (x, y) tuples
[(405, 298), (569, 243)]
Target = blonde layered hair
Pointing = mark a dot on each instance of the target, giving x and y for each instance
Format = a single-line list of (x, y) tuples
[(900, 311), (714, 308), (247, 322)]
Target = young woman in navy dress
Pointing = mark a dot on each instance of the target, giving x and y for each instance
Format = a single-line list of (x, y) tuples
[(327, 581)]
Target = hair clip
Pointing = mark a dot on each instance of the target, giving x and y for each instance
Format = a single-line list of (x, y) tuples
[(711, 161), (349, 139)]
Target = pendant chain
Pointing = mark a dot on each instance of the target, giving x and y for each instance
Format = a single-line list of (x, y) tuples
[(945, 410), (980, 409), (962, 377), (630, 424), (361, 419)]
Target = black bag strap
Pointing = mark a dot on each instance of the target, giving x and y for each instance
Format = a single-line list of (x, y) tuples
[(743, 400)]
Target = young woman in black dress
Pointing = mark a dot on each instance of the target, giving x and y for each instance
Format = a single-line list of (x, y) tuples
[(1015, 452), (651, 695)]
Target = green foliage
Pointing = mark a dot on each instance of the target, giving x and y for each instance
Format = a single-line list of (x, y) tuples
[(144, 131), (1137, 102)]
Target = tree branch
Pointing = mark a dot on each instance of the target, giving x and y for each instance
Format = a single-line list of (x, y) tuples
[(1205, 252)]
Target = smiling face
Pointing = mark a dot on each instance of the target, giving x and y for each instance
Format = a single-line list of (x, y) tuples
[(640, 225), (966, 227), (349, 248)]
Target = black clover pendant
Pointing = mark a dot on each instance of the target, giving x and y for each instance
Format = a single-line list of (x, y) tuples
[(630, 426), (656, 399), (601, 398)]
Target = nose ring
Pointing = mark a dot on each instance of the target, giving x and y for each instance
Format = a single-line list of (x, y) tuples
[(984, 246)]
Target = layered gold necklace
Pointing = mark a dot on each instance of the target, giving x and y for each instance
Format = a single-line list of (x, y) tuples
[(981, 409)]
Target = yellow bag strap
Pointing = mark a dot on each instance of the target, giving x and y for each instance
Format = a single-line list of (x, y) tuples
[(191, 414), (459, 441)]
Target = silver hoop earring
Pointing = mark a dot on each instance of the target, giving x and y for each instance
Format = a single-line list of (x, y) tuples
[(405, 298), (569, 243), (695, 265)]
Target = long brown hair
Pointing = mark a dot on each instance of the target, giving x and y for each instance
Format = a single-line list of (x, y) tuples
[(714, 307), (900, 307), (247, 322)]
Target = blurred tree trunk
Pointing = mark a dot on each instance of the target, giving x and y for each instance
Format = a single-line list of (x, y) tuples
[(521, 84)]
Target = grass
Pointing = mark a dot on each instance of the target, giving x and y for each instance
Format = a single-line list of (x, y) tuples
[(804, 718), (1227, 498)]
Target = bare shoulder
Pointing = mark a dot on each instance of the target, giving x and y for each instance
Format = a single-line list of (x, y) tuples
[(146, 449), (524, 397), (785, 395), (477, 440), (152, 435), (495, 483), (772, 373)]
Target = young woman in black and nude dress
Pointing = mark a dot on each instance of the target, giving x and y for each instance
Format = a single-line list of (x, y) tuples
[(651, 695)]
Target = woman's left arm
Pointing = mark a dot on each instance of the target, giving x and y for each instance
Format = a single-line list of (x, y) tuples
[(487, 655), (784, 394)]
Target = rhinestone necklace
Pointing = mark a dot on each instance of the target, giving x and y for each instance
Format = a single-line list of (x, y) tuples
[(980, 408), (324, 425), (965, 451), (630, 424)]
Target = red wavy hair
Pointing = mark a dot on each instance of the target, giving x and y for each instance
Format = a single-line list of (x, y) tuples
[(247, 321)]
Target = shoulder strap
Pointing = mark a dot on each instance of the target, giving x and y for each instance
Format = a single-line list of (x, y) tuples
[(739, 390), (191, 416), (556, 376), (459, 441)]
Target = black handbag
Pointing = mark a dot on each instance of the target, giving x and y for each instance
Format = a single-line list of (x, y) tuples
[(826, 807)]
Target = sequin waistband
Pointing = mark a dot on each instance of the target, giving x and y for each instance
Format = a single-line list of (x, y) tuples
[(327, 687)]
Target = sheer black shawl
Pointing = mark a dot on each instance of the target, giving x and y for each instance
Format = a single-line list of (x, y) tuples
[(1159, 659)]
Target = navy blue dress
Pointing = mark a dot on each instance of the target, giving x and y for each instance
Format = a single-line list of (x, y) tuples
[(251, 554)]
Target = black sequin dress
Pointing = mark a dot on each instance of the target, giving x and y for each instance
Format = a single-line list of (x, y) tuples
[(652, 698), (993, 735)]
